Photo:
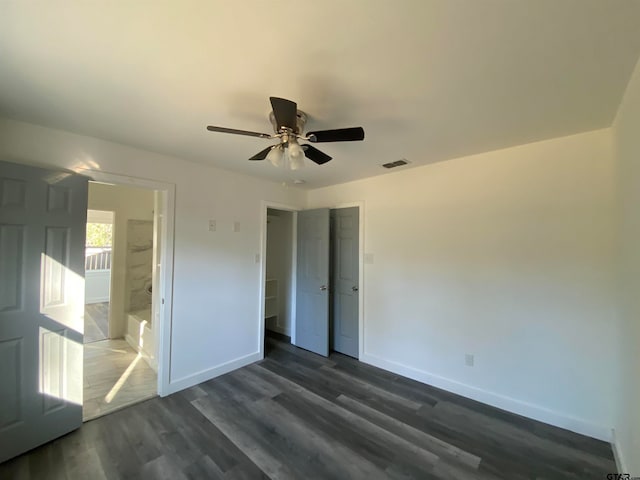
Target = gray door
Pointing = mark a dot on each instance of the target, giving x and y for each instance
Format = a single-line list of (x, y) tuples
[(344, 280), (42, 233), (312, 295)]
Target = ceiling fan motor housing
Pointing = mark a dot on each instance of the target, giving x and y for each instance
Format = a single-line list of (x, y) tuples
[(301, 120)]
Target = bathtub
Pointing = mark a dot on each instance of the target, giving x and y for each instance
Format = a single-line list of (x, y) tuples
[(140, 335)]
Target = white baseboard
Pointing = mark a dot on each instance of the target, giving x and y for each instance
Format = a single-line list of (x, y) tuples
[(91, 300), (621, 464), (209, 373), (509, 404)]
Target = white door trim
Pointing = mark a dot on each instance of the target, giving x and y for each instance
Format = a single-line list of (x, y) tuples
[(163, 338), (263, 267)]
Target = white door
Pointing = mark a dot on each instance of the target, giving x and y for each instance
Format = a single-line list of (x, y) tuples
[(42, 235), (344, 279), (312, 285)]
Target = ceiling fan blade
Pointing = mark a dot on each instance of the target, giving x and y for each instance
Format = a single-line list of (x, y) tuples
[(285, 112), (261, 155), (339, 135), (237, 132), (315, 155)]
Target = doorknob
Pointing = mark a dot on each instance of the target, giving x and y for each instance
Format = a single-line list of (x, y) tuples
[(354, 288), (323, 287)]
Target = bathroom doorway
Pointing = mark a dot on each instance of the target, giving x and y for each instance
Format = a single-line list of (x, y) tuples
[(121, 367), (97, 267)]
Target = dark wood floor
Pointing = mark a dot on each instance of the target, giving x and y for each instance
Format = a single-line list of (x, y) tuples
[(297, 415)]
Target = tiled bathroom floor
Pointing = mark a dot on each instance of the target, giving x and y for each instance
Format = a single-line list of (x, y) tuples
[(115, 376), (96, 322)]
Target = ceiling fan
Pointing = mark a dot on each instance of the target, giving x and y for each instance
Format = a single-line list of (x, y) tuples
[(288, 124)]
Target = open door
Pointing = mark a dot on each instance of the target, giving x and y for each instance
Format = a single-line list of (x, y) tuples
[(344, 279), (312, 289), (42, 236)]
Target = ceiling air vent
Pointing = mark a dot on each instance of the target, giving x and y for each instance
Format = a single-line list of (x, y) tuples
[(397, 163)]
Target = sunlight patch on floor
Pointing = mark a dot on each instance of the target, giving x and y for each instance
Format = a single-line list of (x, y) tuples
[(122, 380)]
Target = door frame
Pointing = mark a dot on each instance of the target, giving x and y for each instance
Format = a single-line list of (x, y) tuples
[(163, 332), (263, 267), (265, 205)]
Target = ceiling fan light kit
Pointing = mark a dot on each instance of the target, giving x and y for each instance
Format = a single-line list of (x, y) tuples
[(296, 155), (276, 156), (288, 124)]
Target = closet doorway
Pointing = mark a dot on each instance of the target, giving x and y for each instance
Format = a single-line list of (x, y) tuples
[(279, 267), (312, 273)]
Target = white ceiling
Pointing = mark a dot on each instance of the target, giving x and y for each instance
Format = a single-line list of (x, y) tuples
[(428, 80)]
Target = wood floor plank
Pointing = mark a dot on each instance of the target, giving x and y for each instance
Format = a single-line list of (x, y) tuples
[(299, 415), (419, 438), (384, 380), (83, 463), (204, 467), (267, 390), (241, 472), (371, 390), (17, 469), (114, 449), (553, 453), (312, 455), (201, 436), (309, 403), (322, 454), (301, 377), (376, 446), (253, 441), (162, 468), (331, 387), (295, 354)]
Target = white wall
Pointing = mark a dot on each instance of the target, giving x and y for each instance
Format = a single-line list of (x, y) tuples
[(97, 284), (99, 216), (279, 263), (216, 276), (507, 256), (626, 130), (127, 204)]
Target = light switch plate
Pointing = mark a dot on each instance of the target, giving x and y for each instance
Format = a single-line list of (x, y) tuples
[(368, 258), (212, 225)]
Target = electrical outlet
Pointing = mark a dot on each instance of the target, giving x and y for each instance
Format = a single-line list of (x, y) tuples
[(257, 258), (468, 360), (212, 225), (236, 226)]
